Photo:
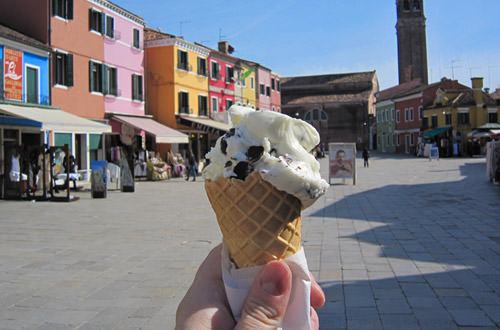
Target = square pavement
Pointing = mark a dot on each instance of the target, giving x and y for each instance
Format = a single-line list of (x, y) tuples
[(413, 245)]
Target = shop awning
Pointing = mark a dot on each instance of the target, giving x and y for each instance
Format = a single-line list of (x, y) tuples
[(49, 119), (205, 124), (162, 133), (434, 132), (479, 133)]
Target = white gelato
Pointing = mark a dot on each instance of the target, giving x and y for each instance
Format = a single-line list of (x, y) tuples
[(274, 144)]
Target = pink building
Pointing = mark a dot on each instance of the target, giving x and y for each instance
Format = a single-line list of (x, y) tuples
[(124, 60), (264, 88), (275, 92), (222, 77)]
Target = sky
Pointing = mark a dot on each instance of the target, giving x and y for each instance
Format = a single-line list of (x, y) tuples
[(296, 37)]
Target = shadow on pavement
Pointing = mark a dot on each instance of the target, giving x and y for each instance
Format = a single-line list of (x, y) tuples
[(423, 256)]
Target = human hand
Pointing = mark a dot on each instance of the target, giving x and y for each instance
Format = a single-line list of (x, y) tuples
[(205, 304)]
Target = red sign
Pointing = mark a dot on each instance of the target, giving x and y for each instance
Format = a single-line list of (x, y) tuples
[(13, 77)]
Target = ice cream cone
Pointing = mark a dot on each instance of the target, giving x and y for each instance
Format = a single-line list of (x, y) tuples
[(259, 223)]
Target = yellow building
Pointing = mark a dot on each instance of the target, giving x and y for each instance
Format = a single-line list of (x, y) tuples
[(461, 117), (177, 86), (248, 84)]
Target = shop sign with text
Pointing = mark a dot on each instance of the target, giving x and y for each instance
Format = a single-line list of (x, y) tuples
[(13, 77)]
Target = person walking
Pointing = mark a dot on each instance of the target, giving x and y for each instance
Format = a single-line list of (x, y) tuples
[(366, 155), (192, 168)]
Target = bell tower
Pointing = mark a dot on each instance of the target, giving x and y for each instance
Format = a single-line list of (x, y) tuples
[(412, 44)]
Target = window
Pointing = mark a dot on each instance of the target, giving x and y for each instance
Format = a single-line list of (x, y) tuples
[(251, 83), (416, 5), (420, 113), (434, 121), (137, 87), (411, 114), (315, 115), (406, 5), (262, 89), (493, 117), (406, 114), (202, 66), (411, 139), (202, 105), (397, 116), (32, 87), (392, 114), (425, 123), (229, 103), (447, 119), (137, 40), (96, 77), (278, 86), (463, 118), (268, 91), (112, 88), (397, 140), (229, 73), (183, 102), (273, 82), (182, 60), (63, 69), (110, 26), (215, 70), (97, 21), (63, 8), (214, 104), (243, 81)]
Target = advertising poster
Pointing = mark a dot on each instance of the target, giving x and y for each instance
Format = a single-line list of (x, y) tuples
[(342, 161), (13, 74)]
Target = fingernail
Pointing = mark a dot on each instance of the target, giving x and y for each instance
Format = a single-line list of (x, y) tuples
[(271, 280)]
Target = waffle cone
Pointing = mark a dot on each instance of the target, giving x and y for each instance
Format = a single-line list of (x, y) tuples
[(259, 223)]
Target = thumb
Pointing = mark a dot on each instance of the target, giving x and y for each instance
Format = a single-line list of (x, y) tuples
[(268, 298)]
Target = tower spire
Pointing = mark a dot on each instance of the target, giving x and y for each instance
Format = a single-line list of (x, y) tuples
[(412, 44)]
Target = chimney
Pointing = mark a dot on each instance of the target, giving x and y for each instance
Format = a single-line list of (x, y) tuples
[(225, 47), (477, 89), (408, 73)]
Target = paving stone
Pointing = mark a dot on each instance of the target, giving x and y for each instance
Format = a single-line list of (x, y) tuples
[(470, 317)]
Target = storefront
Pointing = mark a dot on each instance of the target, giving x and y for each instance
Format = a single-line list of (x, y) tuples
[(27, 131), (203, 133), (141, 138)]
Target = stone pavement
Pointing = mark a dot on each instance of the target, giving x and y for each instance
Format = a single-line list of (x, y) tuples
[(414, 245)]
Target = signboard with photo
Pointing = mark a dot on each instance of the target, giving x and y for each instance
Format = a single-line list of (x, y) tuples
[(13, 74), (342, 161)]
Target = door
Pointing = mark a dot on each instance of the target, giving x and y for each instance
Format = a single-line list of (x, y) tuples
[(407, 144)]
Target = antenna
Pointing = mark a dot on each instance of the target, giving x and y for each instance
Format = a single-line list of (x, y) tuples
[(221, 36), (180, 26), (453, 68)]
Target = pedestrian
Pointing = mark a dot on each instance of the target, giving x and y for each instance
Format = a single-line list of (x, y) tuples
[(192, 168), (366, 155)]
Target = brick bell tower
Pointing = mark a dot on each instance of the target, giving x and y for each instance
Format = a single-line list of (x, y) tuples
[(412, 45)]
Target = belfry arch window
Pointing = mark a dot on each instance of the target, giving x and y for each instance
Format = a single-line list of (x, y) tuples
[(315, 115), (416, 5), (406, 5)]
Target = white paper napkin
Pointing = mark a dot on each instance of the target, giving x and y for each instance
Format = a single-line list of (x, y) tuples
[(238, 282)]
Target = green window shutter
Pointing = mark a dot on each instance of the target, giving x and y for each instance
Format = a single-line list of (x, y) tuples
[(55, 7), (180, 102), (69, 70), (134, 91), (60, 139), (91, 79), (110, 26), (104, 75), (69, 14), (178, 58), (90, 18), (141, 96), (103, 23), (94, 141)]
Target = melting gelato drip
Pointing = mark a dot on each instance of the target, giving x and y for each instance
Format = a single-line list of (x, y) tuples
[(275, 145)]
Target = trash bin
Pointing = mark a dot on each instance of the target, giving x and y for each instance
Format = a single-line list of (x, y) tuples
[(98, 178)]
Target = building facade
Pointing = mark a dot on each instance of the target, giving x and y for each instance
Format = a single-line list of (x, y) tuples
[(177, 87), (263, 92), (340, 106), (275, 92), (408, 120), (248, 83)]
